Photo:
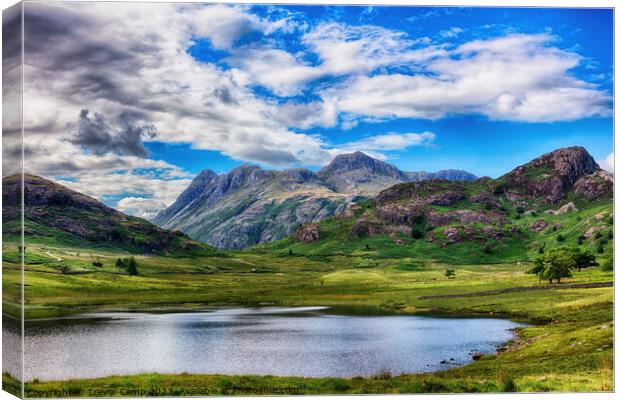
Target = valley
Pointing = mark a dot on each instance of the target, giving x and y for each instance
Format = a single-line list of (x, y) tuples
[(385, 255)]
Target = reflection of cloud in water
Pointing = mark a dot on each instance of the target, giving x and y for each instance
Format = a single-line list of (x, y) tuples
[(261, 341)]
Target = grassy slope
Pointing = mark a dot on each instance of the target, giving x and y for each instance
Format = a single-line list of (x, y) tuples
[(571, 351)]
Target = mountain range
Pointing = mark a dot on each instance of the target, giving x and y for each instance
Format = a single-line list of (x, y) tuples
[(250, 205), (562, 198)]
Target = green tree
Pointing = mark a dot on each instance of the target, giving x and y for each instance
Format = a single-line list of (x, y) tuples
[(132, 266), (554, 264), (450, 273), (120, 263), (583, 259)]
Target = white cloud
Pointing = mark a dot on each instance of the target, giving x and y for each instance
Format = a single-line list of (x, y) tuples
[(275, 69), (110, 59), (607, 163), (451, 33), (514, 78), (390, 141)]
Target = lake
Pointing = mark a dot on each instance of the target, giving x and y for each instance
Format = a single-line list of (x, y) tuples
[(301, 341)]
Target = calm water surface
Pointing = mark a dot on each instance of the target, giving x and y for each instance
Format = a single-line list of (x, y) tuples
[(275, 341)]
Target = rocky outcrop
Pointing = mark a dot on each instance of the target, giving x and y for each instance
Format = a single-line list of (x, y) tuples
[(364, 227), (539, 226), (568, 207), (308, 233), (452, 235), (595, 185), (551, 175)]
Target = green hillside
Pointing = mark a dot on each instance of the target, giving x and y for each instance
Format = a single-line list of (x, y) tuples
[(56, 215)]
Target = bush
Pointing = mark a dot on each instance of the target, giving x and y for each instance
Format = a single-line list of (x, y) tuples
[(97, 264), (610, 235), (417, 234), (560, 238), (541, 249), (581, 239), (598, 235), (600, 249), (607, 265), (487, 249), (508, 385), (450, 273)]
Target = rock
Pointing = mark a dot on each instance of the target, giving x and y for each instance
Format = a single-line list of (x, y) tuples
[(445, 198), (568, 207), (452, 235), (601, 215), (485, 199), (553, 174), (308, 233), (476, 356), (364, 227), (592, 231), (595, 185), (400, 213), (539, 226)]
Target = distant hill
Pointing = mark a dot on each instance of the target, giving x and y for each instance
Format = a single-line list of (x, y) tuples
[(249, 205), (562, 198), (56, 214)]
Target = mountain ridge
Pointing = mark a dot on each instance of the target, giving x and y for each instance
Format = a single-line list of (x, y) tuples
[(53, 212), (249, 205)]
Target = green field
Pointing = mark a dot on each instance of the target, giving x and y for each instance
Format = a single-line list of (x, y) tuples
[(570, 347)]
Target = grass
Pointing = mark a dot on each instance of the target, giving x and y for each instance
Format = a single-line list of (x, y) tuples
[(569, 349)]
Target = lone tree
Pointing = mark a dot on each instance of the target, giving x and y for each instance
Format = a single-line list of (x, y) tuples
[(120, 263), (450, 273), (554, 264), (132, 266)]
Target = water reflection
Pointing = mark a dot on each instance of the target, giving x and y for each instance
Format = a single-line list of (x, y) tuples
[(274, 341)]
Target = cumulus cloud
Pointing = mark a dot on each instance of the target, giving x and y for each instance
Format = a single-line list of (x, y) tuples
[(94, 133), (607, 163), (472, 79)]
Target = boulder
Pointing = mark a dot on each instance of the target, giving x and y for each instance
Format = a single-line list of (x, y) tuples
[(308, 233), (539, 226), (452, 235)]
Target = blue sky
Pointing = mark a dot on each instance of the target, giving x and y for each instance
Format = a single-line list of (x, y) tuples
[(473, 142), (132, 112)]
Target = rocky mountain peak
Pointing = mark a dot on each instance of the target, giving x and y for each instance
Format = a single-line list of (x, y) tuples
[(359, 161), (552, 174)]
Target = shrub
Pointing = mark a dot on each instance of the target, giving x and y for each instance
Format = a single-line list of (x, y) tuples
[(450, 273), (600, 249), (560, 238), (598, 235), (508, 385), (581, 239), (487, 249), (417, 234), (97, 264), (607, 265), (554, 264)]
